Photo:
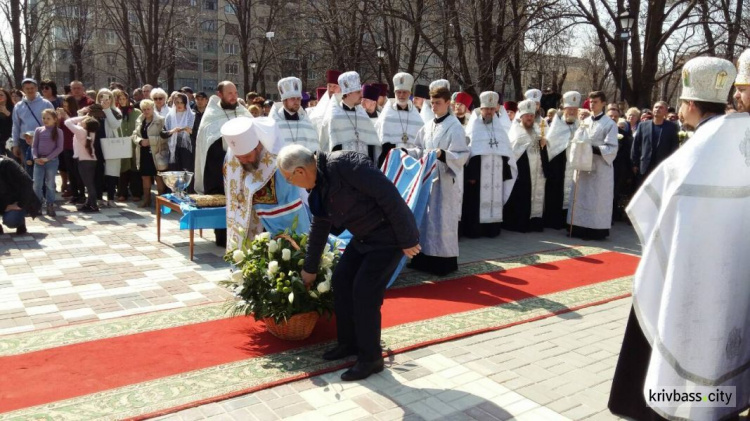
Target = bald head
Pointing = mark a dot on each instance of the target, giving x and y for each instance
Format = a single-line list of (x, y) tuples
[(227, 92)]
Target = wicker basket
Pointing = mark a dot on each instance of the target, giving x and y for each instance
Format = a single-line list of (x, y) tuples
[(297, 328)]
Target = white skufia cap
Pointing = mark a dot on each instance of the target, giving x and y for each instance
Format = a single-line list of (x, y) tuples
[(403, 82), (349, 82), (571, 99), (526, 107), (707, 79), (243, 134), (290, 87), (534, 95), (488, 99)]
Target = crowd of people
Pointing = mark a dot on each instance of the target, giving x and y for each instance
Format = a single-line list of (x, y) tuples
[(49, 133)]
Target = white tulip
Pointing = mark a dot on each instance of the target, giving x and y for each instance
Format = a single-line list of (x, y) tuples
[(301, 262), (273, 267), (313, 293), (241, 303), (328, 274), (237, 276), (327, 248), (273, 246), (265, 236), (286, 255), (291, 297), (238, 256), (238, 289), (324, 287)]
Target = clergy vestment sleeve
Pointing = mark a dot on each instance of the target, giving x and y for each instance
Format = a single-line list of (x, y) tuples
[(609, 148), (418, 149), (372, 182), (457, 153), (319, 230)]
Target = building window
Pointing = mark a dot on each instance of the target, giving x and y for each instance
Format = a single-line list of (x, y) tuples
[(210, 45), (208, 26), (209, 85), (110, 37), (191, 44), (232, 29), (209, 5), (111, 59), (62, 55), (232, 68), (210, 66), (231, 49), (229, 9), (192, 83), (135, 40)]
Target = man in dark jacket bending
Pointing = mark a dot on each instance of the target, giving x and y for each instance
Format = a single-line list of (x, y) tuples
[(347, 191), (17, 198)]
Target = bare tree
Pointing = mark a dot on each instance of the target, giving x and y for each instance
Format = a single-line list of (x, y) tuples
[(658, 21), (29, 31), (147, 31), (75, 22)]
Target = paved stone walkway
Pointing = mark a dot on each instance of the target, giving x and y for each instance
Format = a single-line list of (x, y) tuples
[(77, 268)]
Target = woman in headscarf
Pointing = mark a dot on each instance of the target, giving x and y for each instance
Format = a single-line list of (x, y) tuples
[(179, 124)]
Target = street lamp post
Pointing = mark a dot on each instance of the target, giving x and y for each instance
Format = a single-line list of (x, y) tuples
[(381, 55), (253, 65), (626, 22)]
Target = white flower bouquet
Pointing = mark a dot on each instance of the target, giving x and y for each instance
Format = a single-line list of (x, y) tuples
[(266, 278)]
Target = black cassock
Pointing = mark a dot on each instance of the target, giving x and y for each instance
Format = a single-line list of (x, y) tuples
[(470, 225), (213, 180), (517, 211), (626, 397), (554, 193)]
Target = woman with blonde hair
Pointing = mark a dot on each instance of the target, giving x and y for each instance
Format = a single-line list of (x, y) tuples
[(152, 149), (159, 97)]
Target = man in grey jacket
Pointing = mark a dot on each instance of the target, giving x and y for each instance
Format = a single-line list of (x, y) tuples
[(27, 116)]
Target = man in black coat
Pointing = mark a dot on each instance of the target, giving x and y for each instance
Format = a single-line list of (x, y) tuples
[(17, 198), (654, 141), (347, 191)]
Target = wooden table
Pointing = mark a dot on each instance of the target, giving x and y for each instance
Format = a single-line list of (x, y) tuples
[(161, 201)]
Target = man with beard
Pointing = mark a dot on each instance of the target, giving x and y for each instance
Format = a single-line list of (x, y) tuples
[(399, 122), (293, 122), (536, 96), (511, 107), (560, 175), (490, 172), (742, 84), (590, 214), (210, 148), (689, 322), (524, 210), (258, 196), (346, 125), (461, 108)]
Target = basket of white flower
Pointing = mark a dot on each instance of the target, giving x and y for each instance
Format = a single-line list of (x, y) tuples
[(267, 284)]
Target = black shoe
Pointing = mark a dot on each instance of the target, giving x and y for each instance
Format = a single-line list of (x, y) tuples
[(339, 352), (21, 230), (363, 370)]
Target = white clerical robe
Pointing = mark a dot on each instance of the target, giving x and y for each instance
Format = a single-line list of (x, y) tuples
[(398, 128), (439, 230), (490, 142), (559, 137), (209, 131), (691, 292), (595, 195), (353, 130), (296, 132), (522, 140)]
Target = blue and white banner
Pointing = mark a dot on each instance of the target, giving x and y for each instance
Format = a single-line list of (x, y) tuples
[(413, 178)]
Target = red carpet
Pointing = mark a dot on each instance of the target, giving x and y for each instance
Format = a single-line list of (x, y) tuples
[(59, 373)]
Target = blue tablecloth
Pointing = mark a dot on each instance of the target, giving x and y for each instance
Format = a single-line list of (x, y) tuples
[(197, 218)]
